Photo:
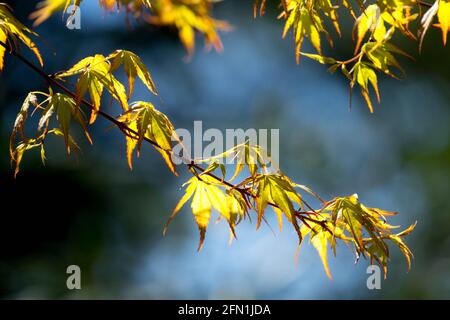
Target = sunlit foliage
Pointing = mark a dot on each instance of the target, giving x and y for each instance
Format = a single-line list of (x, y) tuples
[(187, 16), (12, 31), (263, 187), (375, 24)]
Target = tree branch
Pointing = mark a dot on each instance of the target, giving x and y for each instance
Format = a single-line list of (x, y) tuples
[(129, 131)]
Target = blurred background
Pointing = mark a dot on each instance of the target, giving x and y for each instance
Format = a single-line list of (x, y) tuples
[(93, 212)]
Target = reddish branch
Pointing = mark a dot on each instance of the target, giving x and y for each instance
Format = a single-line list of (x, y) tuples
[(133, 133)]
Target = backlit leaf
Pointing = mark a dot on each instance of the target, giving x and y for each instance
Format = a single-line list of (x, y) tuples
[(95, 76), (320, 243), (206, 195), (363, 75), (151, 124), (443, 15), (188, 17), (319, 58), (12, 29), (66, 109), (2, 49), (371, 20), (133, 67)]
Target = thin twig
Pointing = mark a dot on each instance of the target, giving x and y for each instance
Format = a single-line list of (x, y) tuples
[(425, 4)]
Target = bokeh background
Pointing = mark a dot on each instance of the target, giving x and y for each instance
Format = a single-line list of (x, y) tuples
[(95, 213)]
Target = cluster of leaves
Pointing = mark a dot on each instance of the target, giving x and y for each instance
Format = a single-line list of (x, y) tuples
[(265, 186), (187, 16), (150, 124), (375, 24), (46, 8), (53, 105), (95, 75), (11, 32), (345, 219)]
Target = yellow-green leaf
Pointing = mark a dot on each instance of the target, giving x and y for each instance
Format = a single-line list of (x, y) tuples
[(2, 48), (95, 76), (46, 8), (319, 58), (443, 15), (320, 243), (133, 67), (371, 20), (88, 82), (66, 110), (151, 124), (12, 28)]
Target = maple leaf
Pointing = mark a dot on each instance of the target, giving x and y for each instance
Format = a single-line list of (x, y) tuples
[(206, 194), (276, 190), (305, 22), (319, 58), (372, 20), (381, 55), (151, 124), (53, 104), (21, 118), (374, 56), (367, 229), (329, 9), (188, 17), (3, 38), (65, 109), (320, 238), (363, 75), (95, 76), (254, 157), (18, 152), (133, 66), (12, 30), (398, 13)]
